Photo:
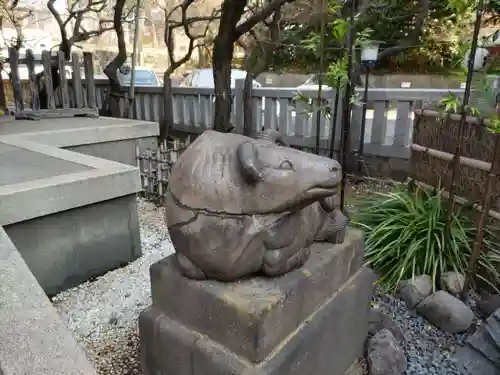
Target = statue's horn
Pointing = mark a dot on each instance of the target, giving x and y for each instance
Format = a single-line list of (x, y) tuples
[(247, 157)]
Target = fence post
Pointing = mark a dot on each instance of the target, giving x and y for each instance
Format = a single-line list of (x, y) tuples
[(239, 106), (168, 108), (16, 81), (88, 63)]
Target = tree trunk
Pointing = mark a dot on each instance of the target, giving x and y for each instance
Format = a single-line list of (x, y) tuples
[(223, 55), (248, 128), (112, 107), (231, 12)]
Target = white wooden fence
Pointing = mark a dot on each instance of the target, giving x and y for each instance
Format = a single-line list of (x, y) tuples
[(389, 119)]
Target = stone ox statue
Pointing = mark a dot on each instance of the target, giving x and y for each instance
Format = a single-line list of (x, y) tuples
[(237, 206)]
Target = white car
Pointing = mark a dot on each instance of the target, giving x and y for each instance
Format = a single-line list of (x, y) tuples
[(144, 77), (205, 78)]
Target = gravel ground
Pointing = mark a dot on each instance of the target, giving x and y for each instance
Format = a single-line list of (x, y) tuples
[(103, 313), (429, 351)]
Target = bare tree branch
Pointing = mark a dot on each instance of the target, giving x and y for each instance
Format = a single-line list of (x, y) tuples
[(260, 16), (14, 16), (196, 29), (76, 14)]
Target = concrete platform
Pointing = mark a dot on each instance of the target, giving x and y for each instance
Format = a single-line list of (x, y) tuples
[(71, 215), (35, 341), (109, 138), (310, 321)]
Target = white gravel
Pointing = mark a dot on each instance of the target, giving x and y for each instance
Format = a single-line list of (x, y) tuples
[(103, 313)]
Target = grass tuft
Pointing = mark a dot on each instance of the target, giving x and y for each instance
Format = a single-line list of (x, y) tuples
[(405, 237)]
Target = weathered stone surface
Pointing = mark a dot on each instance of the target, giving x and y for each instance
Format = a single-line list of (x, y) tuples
[(385, 356), (378, 320), (252, 316), (488, 304), (486, 339), (325, 342), (471, 362), (354, 369), (238, 206), (414, 291), (452, 282), (33, 338), (446, 312)]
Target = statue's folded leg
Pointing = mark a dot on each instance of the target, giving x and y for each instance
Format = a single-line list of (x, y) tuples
[(278, 262), (334, 228), (188, 268)]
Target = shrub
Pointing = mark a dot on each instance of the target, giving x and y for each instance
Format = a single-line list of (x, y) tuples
[(405, 237)]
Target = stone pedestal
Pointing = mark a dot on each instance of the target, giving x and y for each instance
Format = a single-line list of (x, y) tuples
[(313, 320)]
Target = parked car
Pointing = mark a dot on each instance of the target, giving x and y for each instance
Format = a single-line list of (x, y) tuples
[(144, 77), (205, 78)]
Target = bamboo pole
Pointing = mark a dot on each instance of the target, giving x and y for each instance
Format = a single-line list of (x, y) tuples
[(462, 201), (477, 246), (465, 103), (346, 104), (446, 156)]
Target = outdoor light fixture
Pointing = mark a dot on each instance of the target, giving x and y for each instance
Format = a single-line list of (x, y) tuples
[(369, 55)]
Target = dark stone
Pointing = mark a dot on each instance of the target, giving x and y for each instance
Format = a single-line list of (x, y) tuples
[(452, 282), (251, 317), (486, 339), (487, 304), (238, 206), (446, 312), (469, 361), (325, 342), (385, 356), (414, 291), (378, 320)]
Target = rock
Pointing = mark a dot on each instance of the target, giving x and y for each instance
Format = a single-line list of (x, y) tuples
[(385, 356), (414, 291), (487, 304), (452, 282), (470, 361), (486, 339), (446, 312), (378, 321)]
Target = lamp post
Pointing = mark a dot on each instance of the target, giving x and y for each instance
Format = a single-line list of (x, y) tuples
[(369, 55)]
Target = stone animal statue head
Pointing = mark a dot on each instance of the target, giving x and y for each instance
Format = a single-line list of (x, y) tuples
[(231, 173), (291, 178)]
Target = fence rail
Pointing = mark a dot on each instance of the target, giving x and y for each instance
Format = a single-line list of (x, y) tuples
[(389, 119)]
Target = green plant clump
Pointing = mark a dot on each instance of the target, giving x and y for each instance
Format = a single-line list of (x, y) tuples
[(405, 237)]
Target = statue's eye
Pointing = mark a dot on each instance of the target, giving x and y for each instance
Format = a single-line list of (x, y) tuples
[(286, 164)]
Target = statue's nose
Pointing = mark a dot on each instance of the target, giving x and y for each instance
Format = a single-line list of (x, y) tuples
[(334, 169)]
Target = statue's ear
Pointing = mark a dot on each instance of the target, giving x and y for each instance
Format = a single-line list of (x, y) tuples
[(247, 158)]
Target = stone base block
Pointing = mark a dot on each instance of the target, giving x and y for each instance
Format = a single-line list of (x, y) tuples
[(69, 247), (313, 320)]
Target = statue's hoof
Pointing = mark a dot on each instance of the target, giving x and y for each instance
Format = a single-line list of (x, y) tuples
[(188, 268), (273, 266)]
